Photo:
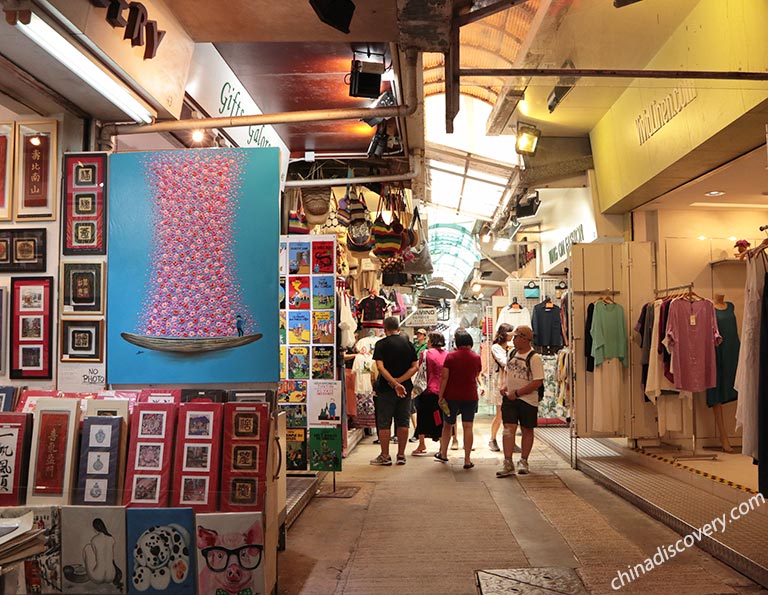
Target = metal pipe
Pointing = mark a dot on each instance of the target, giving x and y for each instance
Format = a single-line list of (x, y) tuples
[(611, 73), (259, 120), (361, 180)]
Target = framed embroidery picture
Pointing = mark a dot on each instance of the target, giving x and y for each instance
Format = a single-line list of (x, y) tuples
[(85, 208), (31, 327), (22, 250), (81, 288), (35, 182), (6, 170), (82, 340)]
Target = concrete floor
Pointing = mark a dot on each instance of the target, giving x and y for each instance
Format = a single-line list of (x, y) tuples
[(426, 527)]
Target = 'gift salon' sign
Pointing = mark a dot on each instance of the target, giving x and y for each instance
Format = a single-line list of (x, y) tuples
[(138, 28)]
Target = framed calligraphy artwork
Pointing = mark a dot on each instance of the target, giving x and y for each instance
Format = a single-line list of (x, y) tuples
[(51, 471), (35, 182), (22, 250), (81, 288), (15, 431), (6, 170), (31, 327), (84, 203), (82, 340)]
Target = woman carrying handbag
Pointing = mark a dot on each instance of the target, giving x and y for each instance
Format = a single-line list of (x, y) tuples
[(429, 421)]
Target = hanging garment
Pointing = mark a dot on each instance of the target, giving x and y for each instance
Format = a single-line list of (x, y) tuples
[(747, 372), (550, 406), (546, 325), (372, 310), (691, 335), (726, 357), (609, 334), (762, 398), (588, 338), (607, 388), (514, 317), (347, 323), (564, 322), (362, 368), (656, 381)]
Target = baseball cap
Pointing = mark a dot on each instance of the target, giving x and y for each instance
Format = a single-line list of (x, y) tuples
[(524, 331), (421, 331)]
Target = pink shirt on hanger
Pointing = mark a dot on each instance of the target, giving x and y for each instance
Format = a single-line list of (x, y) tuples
[(691, 335)]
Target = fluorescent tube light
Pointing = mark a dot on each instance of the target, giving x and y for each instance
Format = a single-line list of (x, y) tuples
[(70, 56), (729, 205), (502, 244)]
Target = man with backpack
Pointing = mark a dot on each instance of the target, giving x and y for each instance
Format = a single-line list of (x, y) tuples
[(520, 399)]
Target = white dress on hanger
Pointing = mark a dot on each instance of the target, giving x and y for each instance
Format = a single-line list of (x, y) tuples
[(748, 370)]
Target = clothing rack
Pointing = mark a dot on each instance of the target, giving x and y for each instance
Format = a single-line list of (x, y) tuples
[(694, 455), (595, 292), (688, 286)]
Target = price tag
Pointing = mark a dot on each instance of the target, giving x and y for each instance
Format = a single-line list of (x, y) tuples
[(693, 320)]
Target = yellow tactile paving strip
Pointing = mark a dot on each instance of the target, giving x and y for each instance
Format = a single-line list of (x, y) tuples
[(699, 472)]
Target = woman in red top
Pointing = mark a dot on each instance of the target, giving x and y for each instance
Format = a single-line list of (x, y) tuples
[(458, 394), (426, 424)]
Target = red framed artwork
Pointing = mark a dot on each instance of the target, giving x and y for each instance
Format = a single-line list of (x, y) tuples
[(84, 222), (35, 182), (6, 170), (31, 327)]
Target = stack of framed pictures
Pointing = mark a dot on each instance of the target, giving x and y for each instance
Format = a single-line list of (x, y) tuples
[(31, 327)]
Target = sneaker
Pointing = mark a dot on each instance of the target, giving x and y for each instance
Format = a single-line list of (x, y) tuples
[(441, 459), (455, 444), (509, 469), (413, 439), (522, 467), (400, 460), (493, 446), (393, 440), (381, 461)]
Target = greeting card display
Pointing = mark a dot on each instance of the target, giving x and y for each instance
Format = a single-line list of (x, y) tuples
[(52, 459), (15, 438), (197, 463), (43, 571), (97, 479), (298, 293), (325, 449), (322, 257), (211, 395), (230, 548), (323, 292), (246, 431), (93, 550), (298, 258), (160, 551), (148, 476), (323, 327), (159, 395)]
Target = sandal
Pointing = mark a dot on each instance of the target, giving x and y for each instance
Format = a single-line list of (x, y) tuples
[(468, 465), (419, 452)]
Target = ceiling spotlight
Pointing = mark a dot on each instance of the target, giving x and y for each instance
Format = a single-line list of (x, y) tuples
[(527, 139), (476, 287), (336, 13), (486, 235), (35, 140), (378, 142), (365, 75), (528, 206), (714, 193), (197, 136), (386, 99)]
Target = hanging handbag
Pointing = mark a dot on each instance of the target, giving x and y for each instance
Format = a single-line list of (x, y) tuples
[(297, 221), (359, 237), (531, 291), (331, 225), (418, 260), (392, 264), (387, 240)]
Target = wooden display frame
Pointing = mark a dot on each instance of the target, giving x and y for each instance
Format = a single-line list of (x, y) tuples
[(36, 180), (84, 220), (31, 328)]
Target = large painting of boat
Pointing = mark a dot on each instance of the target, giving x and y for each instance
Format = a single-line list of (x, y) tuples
[(193, 267)]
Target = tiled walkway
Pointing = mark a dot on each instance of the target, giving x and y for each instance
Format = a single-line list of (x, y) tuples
[(427, 527)]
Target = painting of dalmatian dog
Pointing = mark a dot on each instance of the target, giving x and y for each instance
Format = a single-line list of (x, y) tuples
[(230, 548), (160, 551)]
